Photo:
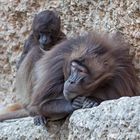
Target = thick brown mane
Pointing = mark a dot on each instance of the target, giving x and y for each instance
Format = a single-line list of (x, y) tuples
[(123, 81), (92, 47)]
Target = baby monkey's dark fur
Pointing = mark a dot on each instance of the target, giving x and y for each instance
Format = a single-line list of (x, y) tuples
[(46, 32)]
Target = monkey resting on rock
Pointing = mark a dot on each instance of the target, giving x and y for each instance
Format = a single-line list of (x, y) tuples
[(77, 73)]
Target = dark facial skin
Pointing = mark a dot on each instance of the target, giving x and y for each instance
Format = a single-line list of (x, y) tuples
[(73, 84), (44, 40)]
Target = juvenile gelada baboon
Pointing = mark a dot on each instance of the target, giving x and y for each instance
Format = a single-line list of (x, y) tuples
[(46, 32)]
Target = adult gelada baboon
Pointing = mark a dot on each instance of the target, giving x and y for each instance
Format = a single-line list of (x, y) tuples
[(79, 72)]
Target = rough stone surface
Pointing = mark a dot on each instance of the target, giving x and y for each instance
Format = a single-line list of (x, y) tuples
[(112, 120), (24, 129), (78, 16)]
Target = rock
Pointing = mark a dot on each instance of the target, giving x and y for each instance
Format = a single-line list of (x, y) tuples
[(111, 120), (24, 129)]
